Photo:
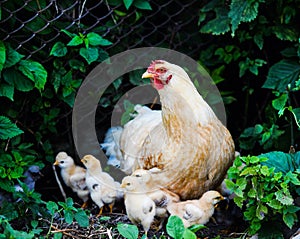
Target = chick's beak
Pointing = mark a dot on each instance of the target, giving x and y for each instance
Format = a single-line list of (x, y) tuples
[(147, 75), (122, 185), (55, 163)]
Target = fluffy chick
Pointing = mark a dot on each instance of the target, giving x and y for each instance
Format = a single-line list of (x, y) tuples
[(73, 176), (196, 211), (104, 190), (161, 196), (140, 207)]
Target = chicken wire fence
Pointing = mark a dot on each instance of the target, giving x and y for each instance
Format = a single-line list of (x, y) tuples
[(33, 26)]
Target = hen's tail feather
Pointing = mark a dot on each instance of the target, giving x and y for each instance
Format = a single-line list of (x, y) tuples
[(111, 145)]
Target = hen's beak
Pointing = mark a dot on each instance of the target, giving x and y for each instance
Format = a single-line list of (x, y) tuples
[(147, 75)]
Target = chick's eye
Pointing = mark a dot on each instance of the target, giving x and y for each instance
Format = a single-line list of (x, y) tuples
[(62, 161), (138, 175), (128, 184)]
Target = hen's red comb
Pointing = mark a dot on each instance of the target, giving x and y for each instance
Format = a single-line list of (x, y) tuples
[(151, 68)]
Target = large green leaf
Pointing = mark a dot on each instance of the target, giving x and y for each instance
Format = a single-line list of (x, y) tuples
[(281, 74), (96, 40), (59, 49), (283, 162), (128, 3), (285, 32), (89, 54), (142, 4), (35, 72), (8, 129), (242, 11), (17, 80)]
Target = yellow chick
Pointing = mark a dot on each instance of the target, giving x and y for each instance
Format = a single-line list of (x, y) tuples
[(73, 176), (104, 190), (196, 211), (161, 196), (140, 207)]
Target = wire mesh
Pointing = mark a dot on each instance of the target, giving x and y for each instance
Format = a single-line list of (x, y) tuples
[(32, 26)]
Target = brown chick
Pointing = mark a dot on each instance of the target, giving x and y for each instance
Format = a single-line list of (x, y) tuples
[(196, 211), (73, 176), (103, 188), (140, 207)]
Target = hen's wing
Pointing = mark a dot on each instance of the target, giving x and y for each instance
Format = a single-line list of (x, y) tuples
[(134, 135)]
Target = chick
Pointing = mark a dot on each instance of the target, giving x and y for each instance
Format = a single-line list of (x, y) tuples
[(161, 196), (104, 190), (73, 176), (196, 211), (140, 207)]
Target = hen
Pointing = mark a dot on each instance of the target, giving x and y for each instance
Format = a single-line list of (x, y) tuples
[(185, 140), (196, 211), (103, 188), (73, 176)]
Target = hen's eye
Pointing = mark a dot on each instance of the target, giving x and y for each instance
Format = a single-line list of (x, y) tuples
[(161, 70)]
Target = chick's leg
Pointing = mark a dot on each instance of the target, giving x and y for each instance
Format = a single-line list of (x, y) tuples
[(110, 207), (84, 205), (100, 212)]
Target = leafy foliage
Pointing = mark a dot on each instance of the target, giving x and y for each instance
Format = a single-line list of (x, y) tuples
[(266, 185)]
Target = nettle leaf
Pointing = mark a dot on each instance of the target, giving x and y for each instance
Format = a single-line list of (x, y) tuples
[(142, 4), (128, 231), (175, 227), (75, 41), (285, 32), (242, 11), (95, 39), (35, 72), (59, 49), (12, 57), (89, 54), (275, 204), (7, 91), (2, 55), (220, 24), (8, 129), (289, 219), (280, 102), (128, 3), (284, 198), (281, 74), (82, 218)]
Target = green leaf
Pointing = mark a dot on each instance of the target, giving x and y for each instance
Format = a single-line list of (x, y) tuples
[(17, 80), (71, 35), (59, 49), (289, 219), (242, 11), (68, 216), (142, 4), (280, 102), (188, 234), (8, 130), (285, 32), (89, 54), (12, 57), (281, 74), (35, 72), (96, 40), (128, 231), (52, 207), (128, 3), (2, 55), (284, 198), (283, 162), (219, 25), (75, 41), (7, 91), (175, 227), (82, 218), (196, 227)]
